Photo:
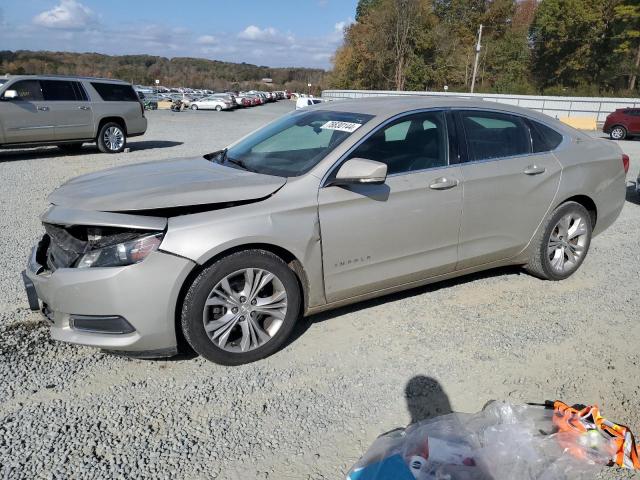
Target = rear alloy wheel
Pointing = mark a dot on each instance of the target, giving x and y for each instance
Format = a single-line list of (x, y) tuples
[(111, 138), (618, 133), (194, 107), (70, 147), (564, 243), (218, 108), (242, 308)]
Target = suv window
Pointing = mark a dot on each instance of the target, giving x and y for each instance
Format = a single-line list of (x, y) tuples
[(494, 135), (115, 92), (29, 90), (543, 138), (413, 142), (58, 90)]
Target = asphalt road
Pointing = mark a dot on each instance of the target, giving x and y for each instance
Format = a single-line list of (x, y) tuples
[(311, 410)]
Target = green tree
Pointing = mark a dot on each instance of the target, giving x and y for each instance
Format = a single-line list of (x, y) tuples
[(627, 37)]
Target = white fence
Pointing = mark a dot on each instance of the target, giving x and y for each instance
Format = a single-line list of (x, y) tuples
[(553, 106)]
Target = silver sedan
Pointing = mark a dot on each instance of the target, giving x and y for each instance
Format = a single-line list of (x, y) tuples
[(327, 206), (211, 103)]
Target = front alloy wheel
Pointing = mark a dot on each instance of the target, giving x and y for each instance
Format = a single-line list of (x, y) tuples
[(245, 310), (241, 308), (618, 133)]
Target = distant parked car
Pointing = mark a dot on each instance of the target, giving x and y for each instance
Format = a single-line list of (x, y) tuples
[(623, 123), (69, 111), (303, 102), (211, 103)]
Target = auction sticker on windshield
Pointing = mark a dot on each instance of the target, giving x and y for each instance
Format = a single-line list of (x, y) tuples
[(342, 126)]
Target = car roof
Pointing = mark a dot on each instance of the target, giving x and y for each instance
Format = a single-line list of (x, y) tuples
[(64, 77), (389, 106)]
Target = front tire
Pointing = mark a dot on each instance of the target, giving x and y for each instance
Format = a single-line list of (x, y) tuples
[(618, 133), (194, 107), (562, 244), (111, 138), (242, 308), (218, 108)]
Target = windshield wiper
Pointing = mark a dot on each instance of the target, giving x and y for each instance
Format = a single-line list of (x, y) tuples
[(237, 162)]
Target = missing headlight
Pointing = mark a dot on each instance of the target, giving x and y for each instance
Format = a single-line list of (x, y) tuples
[(83, 247)]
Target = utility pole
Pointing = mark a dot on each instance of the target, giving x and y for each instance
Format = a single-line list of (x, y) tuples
[(475, 64)]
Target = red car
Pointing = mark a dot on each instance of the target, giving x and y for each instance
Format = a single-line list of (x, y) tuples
[(623, 123)]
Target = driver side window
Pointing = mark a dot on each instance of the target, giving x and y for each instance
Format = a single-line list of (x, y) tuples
[(410, 143), (28, 90)]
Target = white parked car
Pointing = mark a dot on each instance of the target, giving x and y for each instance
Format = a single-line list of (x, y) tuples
[(303, 102), (211, 103)]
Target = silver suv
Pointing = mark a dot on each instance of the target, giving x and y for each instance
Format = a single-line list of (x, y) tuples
[(329, 205), (69, 111)]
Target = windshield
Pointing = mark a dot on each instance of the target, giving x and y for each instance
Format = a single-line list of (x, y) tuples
[(294, 144)]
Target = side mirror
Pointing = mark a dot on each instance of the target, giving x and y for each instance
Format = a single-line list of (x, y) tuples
[(361, 170), (10, 95)]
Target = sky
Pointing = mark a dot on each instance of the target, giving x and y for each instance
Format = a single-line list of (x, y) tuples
[(276, 33)]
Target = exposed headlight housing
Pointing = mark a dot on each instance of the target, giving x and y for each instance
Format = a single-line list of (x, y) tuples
[(121, 254)]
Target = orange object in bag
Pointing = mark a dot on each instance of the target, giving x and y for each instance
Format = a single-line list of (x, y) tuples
[(588, 419)]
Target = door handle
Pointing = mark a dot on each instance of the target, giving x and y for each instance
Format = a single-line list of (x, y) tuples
[(43, 109), (534, 170), (443, 183), (83, 107)]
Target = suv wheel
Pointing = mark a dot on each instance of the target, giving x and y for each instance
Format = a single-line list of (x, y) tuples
[(242, 308), (618, 133), (563, 243), (70, 147), (111, 138)]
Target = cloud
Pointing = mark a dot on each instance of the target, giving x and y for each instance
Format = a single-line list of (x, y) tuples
[(68, 15), (256, 33), (340, 26), (207, 40)]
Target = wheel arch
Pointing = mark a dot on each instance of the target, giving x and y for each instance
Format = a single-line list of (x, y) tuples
[(289, 258), (587, 202), (119, 120)]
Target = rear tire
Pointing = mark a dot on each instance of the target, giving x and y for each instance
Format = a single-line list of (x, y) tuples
[(218, 108), (618, 133), (111, 138), (70, 147), (194, 107), (232, 317), (562, 243)]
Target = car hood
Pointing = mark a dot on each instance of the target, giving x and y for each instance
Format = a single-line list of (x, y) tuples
[(164, 185)]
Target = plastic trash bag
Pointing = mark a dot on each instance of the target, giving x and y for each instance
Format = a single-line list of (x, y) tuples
[(503, 441)]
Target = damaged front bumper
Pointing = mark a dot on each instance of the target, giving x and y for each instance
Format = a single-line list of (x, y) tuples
[(129, 309)]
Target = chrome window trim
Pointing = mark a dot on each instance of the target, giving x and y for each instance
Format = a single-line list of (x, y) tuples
[(562, 144), (338, 163)]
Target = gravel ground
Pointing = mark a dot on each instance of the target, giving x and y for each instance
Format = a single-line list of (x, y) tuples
[(311, 410)]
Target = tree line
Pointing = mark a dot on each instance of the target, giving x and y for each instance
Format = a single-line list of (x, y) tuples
[(175, 72), (561, 47)]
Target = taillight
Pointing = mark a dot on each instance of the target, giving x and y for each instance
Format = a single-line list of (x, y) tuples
[(625, 163)]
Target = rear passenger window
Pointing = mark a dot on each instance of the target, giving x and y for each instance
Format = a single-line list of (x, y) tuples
[(58, 90), (543, 138), (411, 143), (115, 92), (28, 90), (494, 135)]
